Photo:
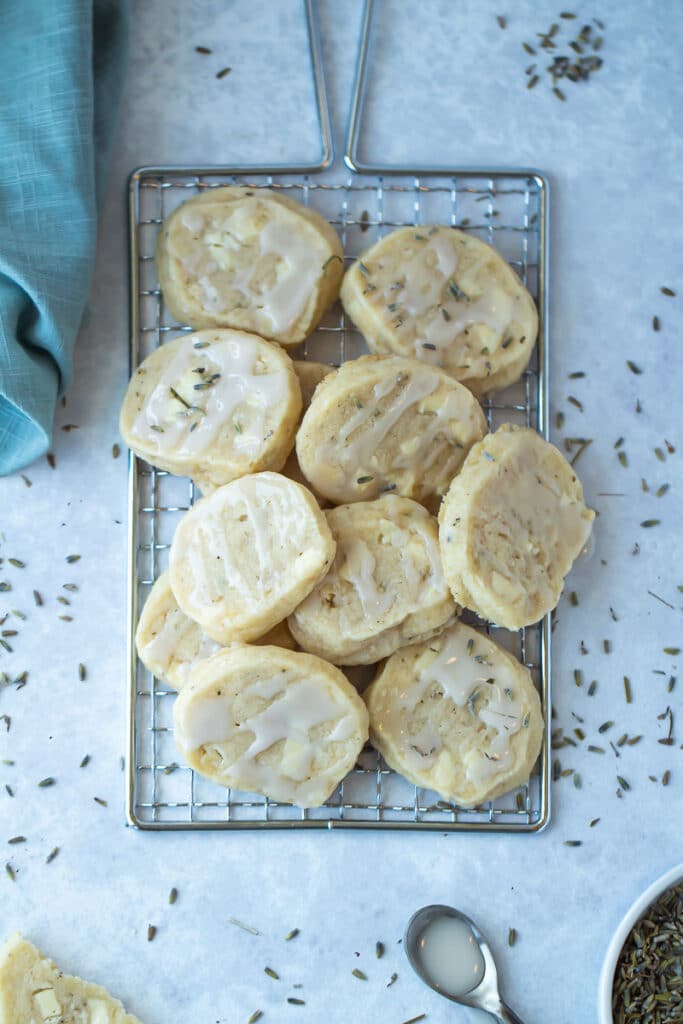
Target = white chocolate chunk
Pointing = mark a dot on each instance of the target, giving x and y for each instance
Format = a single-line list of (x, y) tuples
[(99, 1013), (34, 991), (47, 1004)]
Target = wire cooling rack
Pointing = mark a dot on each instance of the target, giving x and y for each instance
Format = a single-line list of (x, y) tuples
[(507, 210)]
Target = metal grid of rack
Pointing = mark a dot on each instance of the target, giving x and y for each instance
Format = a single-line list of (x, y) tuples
[(506, 209)]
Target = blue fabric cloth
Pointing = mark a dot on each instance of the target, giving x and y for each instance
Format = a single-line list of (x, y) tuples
[(61, 63)]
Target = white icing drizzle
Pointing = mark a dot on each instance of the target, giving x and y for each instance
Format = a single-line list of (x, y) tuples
[(340, 462), (496, 309), (299, 269), (358, 567), (504, 716), (424, 274), (178, 642), (229, 393), (455, 408), (403, 539), (272, 270), (204, 720), (416, 307), (357, 600), (299, 705), (214, 563), (419, 386), (490, 691)]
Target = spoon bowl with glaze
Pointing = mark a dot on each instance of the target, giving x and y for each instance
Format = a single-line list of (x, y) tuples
[(449, 953)]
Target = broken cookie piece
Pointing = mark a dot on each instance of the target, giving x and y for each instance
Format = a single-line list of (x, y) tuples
[(34, 991)]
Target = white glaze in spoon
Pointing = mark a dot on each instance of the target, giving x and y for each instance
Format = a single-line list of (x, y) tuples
[(449, 953)]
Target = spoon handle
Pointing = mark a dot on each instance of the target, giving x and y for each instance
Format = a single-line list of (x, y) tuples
[(507, 1016)]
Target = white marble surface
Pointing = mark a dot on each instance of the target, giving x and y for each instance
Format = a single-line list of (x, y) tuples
[(448, 88)]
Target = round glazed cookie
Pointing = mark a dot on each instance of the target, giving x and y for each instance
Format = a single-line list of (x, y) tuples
[(442, 296), (385, 589), (214, 405), (387, 424), (243, 558), (249, 258), (169, 644), (458, 715), (511, 526), (271, 721)]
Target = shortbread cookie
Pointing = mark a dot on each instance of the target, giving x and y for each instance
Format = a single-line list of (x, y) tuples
[(511, 526), (385, 589), (34, 991), (214, 405), (249, 258), (387, 424), (271, 721), (458, 715), (447, 298), (243, 558), (169, 644)]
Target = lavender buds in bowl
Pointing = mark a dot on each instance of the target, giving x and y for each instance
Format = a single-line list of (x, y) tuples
[(642, 974)]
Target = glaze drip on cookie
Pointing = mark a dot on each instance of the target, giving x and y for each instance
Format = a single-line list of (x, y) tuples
[(446, 298), (271, 721), (458, 715), (204, 388)]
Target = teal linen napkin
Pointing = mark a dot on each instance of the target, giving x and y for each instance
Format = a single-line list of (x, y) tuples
[(61, 63)]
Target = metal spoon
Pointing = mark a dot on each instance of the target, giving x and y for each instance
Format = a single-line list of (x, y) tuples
[(485, 996)]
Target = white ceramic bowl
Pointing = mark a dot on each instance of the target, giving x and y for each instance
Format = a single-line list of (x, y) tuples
[(635, 912)]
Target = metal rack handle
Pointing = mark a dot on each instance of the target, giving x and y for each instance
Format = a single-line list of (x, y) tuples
[(352, 157), (320, 86)]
